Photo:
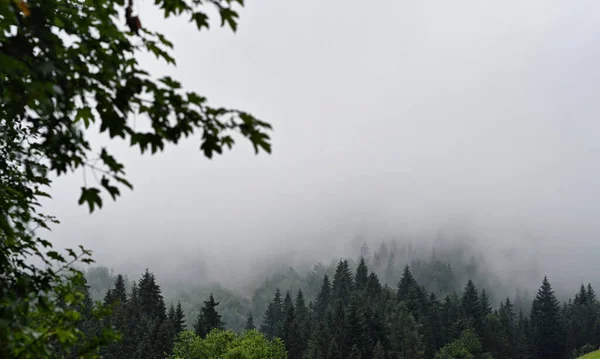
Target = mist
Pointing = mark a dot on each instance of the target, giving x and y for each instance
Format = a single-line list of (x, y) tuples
[(406, 120)]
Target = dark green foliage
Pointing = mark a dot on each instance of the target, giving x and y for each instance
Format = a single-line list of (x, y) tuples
[(484, 304), (342, 282), (334, 350), (547, 331), (249, 322), (470, 307), (323, 299), (208, 318), (378, 352), (152, 303), (404, 336), (273, 316), (467, 346), (66, 66), (357, 335), (355, 352), (178, 320), (362, 275)]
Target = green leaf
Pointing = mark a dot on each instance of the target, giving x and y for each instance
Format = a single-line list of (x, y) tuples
[(85, 114), (91, 196), (201, 20)]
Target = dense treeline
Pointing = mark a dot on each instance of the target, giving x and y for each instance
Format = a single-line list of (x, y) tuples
[(349, 312)]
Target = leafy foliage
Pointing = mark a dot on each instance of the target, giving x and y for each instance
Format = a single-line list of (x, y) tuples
[(225, 344), (66, 65)]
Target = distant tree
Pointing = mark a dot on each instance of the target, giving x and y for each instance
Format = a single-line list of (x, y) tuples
[(303, 320), (152, 303), (334, 350), (208, 318), (484, 304), (373, 286), (179, 319), (548, 334), (342, 282), (270, 321), (362, 275), (339, 329), (406, 284), (249, 322), (355, 352), (290, 333), (379, 352), (358, 330), (470, 306), (403, 330), (323, 298)]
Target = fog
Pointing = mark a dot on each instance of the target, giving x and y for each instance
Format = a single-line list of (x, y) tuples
[(392, 119)]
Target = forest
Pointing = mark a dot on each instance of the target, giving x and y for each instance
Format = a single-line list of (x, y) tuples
[(86, 83), (354, 308)]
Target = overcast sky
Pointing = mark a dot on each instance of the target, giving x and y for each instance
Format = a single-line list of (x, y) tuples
[(390, 117)]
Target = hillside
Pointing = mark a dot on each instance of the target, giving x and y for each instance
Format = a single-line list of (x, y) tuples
[(592, 355)]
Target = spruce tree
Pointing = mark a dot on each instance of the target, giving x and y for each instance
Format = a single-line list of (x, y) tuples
[(208, 318), (406, 284), (373, 286), (546, 324), (378, 352), (470, 306), (355, 352), (119, 293), (484, 304), (342, 282), (269, 323), (179, 320), (357, 334), (290, 334), (362, 275), (303, 320), (249, 322), (323, 299), (151, 300), (339, 329), (334, 350)]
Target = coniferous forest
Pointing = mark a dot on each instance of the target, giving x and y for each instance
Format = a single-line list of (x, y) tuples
[(365, 308)]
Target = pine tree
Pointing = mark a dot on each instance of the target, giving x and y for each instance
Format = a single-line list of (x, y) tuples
[(339, 329), (290, 333), (119, 293), (546, 324), (406, 284), (362, 275), (303, 320), (334, 350), (151, 300), (357, 333), (390, 269), (355, 352), (379, 352), (373, 286), (269, 323), (249, 322), (208, 318), (470, 307), (484, 304), (323, 298), (179, 320), (404, 336), (342, 282), (434, 330)]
